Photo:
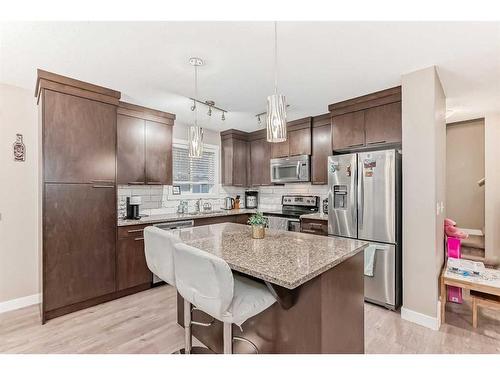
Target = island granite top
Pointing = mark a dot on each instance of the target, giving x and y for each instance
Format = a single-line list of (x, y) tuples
[(287, 259), (188, 216)]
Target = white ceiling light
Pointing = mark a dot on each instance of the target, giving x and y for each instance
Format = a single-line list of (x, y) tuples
[(195, 134), (276, 104)]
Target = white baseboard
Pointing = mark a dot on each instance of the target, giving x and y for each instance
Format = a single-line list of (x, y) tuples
[(421, 319), (18, 303)]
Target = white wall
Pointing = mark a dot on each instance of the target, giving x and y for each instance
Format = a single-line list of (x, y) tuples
[(424, 156), (18, 195), (492, 186), (464, 168)]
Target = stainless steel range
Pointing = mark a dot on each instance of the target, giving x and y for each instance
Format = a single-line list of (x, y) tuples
[(292, 207)]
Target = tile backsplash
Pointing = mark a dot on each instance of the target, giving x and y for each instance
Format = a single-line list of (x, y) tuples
[(157, 200)]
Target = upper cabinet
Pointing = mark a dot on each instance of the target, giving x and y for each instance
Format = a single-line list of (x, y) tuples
[(79, 139), (383, 124), (260, 159), (234, 157), (144, 146), (298, 140), (321, 148), (348, 130), (367, 121)]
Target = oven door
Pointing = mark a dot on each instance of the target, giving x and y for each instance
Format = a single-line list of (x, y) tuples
[(283, 223)]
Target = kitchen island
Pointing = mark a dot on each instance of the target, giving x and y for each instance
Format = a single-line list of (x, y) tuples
[(317, 281)]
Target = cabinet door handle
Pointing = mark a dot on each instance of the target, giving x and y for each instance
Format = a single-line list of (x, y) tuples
[(309, 231), (138, 239), (376, 143), (154, 183), (104, 186), (135, 230), (102, 181), (356, 145), (136, 183)]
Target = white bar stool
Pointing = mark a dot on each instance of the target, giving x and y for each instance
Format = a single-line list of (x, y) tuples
[(206, 281), (159, 251)]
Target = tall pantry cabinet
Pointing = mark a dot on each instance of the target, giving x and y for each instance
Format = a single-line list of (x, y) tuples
[(78, 123)]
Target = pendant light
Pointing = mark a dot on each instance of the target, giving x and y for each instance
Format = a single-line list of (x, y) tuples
[(195, 132), (276, 104)]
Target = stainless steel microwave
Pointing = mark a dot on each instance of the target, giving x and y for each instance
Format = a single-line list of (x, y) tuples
[(292, 169)]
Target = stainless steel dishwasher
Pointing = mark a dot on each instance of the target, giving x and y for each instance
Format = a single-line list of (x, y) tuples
[(171, 225)]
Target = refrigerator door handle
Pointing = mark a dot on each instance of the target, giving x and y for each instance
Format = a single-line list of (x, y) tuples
[(361, 196)]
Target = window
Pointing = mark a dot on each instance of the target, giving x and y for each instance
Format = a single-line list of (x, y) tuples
[(195, 176)]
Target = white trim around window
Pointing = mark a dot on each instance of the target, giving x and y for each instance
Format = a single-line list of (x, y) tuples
[(214, 193)]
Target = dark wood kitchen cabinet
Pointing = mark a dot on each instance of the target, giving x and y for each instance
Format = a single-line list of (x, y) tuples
[(131, 267), (158, 153), (234, 158), (130, 150), (298, 140), (383, 124), (368, 121), (281, 149), (78, 122), (144, 146), (348, 130), (313, 226), (79, 139), (321, 148), (260, 159), (79, 236)]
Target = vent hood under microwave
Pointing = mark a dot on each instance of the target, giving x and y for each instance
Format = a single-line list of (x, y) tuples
[(292, 169)]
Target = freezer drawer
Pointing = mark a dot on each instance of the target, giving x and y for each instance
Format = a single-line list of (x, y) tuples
[(381, 287)]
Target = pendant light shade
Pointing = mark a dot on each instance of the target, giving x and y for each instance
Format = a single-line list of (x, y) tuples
[(195, 137), (195, 132), (276, 118), (276, 104)]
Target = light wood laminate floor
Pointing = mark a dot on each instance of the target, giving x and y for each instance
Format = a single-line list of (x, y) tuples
[(146, 323)]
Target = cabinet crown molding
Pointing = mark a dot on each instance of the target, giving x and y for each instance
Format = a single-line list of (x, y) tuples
[(375, 99), (47, 79)]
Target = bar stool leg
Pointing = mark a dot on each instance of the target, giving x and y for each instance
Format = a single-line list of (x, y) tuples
[(228, 338), (187, 327)]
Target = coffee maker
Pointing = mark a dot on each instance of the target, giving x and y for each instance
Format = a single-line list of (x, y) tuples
[(133, 208), (251, 199)]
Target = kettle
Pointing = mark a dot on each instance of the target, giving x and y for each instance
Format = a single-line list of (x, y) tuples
[(228, 203)]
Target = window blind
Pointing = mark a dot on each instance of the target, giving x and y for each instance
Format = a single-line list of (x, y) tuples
[(194, 171)]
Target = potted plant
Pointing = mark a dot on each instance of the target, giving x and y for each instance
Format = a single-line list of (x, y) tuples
[(258, 223)]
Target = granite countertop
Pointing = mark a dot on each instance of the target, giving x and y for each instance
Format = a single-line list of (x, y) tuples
[(287, 259), (315, 216), (189, 216)]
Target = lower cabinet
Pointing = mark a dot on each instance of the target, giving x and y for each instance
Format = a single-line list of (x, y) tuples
[(79, 240), (312, 226), (131, 267), (239, 219)]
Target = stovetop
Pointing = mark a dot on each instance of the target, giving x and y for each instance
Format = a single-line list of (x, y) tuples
[(296, 205)]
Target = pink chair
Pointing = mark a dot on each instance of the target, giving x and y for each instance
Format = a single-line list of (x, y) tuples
[(453, 248)]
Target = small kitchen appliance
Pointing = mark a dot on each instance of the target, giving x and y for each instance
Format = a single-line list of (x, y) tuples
[(133, 204), (228, 203), (325, 206), (251, 199), (293, 206), (292, 169)]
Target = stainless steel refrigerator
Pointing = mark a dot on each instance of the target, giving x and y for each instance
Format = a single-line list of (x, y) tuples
[(365, 203)]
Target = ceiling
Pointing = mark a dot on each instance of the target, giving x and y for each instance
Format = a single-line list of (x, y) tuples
[(319, 62)]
